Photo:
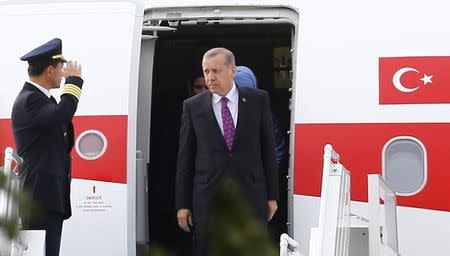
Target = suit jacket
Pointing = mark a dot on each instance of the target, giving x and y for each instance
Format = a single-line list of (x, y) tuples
[(204, 159), (43, 133)]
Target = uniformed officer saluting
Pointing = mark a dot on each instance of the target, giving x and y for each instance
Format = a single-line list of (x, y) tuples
[(43, 133)]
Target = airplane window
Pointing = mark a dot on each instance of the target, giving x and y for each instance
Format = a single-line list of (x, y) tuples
[(405, 165), (91, 144)]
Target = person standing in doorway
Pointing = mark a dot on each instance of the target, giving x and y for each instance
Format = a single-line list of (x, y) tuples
[(225, 133), (198, 83)]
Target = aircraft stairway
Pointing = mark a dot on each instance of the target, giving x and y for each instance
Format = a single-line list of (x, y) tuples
[(29, 242), (341, 233)]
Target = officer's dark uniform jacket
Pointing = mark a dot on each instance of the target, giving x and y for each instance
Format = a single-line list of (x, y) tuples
[(44, 137)]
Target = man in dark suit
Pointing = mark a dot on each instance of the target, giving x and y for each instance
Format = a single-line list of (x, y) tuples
[(44, 137), (225, 132)]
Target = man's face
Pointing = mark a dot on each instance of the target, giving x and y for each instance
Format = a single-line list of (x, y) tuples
[(218, 76), (56, 74), (199, 85)]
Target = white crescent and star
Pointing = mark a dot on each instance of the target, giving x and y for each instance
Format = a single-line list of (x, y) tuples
[(399, 86), (426, 79)]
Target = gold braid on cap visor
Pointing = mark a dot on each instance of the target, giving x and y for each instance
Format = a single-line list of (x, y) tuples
[(72, 90), (58, 56)]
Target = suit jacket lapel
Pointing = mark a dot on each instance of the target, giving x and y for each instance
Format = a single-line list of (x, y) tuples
[(242, 114), (209, 111)]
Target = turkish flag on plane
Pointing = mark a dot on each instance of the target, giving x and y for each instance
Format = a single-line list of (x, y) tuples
[(414, 80)]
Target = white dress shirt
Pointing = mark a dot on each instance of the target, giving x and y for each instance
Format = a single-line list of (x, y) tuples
[(43, 90), (233, 102)]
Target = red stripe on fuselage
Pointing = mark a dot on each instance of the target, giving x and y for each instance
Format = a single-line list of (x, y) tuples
[(110, 167), (6, 138), (360, 147)]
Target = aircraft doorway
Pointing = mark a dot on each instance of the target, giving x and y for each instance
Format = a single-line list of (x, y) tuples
[(265, 48)]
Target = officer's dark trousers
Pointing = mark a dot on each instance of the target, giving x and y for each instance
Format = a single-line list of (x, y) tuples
[(52, 224)]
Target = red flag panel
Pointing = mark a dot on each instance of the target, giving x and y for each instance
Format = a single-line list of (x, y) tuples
[(414, 80)]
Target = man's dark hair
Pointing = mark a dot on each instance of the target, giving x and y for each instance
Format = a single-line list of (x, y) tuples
[(36, 68)]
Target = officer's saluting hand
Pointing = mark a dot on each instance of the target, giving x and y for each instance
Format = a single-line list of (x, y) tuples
[(72, 68)]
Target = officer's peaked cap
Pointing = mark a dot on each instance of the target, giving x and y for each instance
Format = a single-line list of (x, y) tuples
[(51, 50)]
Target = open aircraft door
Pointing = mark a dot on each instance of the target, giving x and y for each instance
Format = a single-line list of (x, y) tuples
[(143, 137), (264, 38), (144, 102)]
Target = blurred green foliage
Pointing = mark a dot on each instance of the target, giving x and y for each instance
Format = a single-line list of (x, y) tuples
[(10, 226), (232, 230)]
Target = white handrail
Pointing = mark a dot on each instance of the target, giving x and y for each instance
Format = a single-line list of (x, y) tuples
[(383, 239), (6, 203), (334, 218), (329, 153), (10, 157), (8, 207), (285, 242)]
